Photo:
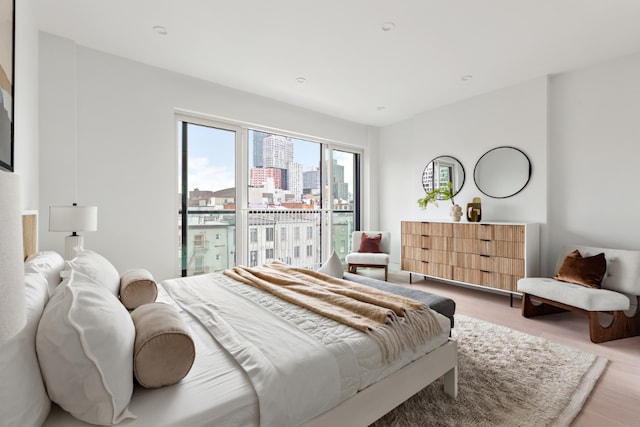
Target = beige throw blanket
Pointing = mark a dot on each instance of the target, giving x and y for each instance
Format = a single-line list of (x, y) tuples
[(396, 323)]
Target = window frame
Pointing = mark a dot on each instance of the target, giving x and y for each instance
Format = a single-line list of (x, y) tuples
[(241, 129)]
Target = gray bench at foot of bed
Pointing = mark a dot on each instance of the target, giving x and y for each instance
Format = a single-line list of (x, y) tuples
[(442, 305)]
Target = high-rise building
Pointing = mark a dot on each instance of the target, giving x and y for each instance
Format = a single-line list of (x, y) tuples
[(340, 188), (277, 151), (311, 181), (294, 180), (258, 138)]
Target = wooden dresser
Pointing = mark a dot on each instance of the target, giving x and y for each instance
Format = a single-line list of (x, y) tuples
[(491, 255)]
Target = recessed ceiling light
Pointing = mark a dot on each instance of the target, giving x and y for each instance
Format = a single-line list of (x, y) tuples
[(381, 108), (466, 78), (160, 30), (301, 80), (388, 26)]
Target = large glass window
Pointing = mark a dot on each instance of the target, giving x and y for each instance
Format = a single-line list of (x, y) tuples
[(249, 196), (207, 216), (345, 182)]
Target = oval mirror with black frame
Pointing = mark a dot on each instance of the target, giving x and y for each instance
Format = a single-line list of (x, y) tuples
[(502, 172), (441, 171)]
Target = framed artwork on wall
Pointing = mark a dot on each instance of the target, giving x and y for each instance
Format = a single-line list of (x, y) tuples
[(7, 54)]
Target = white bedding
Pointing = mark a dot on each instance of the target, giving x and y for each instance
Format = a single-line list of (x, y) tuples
[(217, 392)]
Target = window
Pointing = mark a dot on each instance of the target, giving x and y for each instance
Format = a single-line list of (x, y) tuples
[(204, 196), (305, 190), (345, 218)]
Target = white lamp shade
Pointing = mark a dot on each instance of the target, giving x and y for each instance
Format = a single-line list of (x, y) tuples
[(73, 218), (12, 303)]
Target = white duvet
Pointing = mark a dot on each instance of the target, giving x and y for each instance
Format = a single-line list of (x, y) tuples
[(218, 392)]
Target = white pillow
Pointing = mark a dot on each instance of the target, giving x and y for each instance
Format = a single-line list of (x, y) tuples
[(24, 399), (98, 268), (48, 263), (85, 346), (332, 266)]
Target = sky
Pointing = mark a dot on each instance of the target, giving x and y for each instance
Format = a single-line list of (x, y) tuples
[(212, 157)]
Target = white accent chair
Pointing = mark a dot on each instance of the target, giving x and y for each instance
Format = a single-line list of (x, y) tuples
[(617, 302), (357, 259)]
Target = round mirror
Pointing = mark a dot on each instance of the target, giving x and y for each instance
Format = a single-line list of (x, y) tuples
[(441, 171), (502, 172)]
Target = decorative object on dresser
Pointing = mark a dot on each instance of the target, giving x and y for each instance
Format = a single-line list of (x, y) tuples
[(74, 219), (369, 249), (491, 256), (609, 294), (474, 210), (502, 172)]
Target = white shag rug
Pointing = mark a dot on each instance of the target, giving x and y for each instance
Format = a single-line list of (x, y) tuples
[(505, 378)]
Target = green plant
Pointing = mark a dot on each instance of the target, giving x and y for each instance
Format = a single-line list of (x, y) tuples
[(436, 194)]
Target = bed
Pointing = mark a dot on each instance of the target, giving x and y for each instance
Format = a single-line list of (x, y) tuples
[(217, 392)]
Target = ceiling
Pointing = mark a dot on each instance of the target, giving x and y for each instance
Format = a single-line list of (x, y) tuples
[(353, 69)]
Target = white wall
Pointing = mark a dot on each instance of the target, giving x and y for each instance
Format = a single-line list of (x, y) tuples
[(26, 103), (594, 158), (515, 116), (127, 150)]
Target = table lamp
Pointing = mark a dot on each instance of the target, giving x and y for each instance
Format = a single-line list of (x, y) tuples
[(74, 219)]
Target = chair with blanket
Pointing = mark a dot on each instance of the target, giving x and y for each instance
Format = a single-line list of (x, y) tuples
[(369, 249)]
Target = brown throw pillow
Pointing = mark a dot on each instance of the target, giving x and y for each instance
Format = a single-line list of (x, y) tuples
[(370, 244), (137, 287), (585, 271), (164, 351)]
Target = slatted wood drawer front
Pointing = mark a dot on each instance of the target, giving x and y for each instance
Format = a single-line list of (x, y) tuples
[(500, 281), (437, 229), (437, 270), (437, 256), (437, 242)]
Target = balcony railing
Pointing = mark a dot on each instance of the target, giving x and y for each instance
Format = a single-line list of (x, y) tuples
[(293, 236)]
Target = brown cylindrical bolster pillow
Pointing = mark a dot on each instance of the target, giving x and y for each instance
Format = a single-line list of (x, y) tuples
[(137, 287), (163, 351)]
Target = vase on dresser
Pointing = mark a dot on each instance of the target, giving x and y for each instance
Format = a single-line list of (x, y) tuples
[(456, 213)]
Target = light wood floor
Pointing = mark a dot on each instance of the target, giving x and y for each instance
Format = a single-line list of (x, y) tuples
[(615, 400)]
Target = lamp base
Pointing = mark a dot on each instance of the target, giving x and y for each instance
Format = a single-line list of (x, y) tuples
[(72, 244)]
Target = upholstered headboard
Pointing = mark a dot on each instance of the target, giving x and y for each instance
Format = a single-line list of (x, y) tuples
[(29, 233)]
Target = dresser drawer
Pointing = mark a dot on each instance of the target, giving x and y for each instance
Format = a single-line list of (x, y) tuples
[(437, 229), (437, 270), (437, 242), (504, 282), (437, 256)]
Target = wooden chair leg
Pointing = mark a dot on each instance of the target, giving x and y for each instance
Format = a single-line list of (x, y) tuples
[(529, 309), (386, 272), (621, 326)]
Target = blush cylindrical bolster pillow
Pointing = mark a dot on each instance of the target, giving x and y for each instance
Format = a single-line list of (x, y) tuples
[(137, 287), (163, 351)]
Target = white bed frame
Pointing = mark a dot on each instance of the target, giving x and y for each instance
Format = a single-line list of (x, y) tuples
[(373, 402)]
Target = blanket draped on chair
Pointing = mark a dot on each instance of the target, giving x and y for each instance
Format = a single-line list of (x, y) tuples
[(396, 323)]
